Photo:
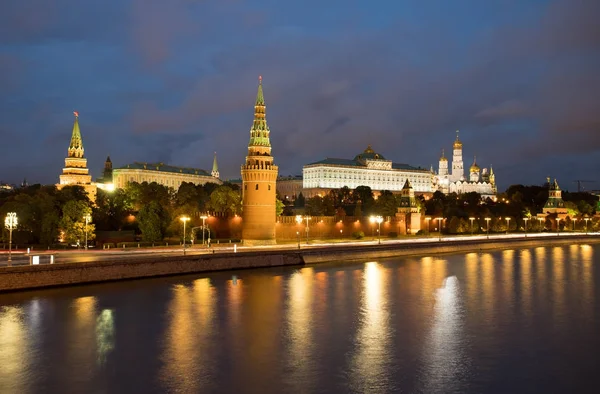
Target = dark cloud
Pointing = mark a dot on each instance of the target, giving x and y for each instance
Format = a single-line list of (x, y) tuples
[(175, 81)]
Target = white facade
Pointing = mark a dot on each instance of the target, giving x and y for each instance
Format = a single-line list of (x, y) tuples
[(367, 169), (162, 174), (479, 181)]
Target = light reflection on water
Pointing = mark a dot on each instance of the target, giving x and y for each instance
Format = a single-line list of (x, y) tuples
[(489, 322)]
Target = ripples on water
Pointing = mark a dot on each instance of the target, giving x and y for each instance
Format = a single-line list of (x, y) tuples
[(509, 321)]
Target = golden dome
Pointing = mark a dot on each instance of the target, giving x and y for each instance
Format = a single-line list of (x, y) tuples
[(443, 158), (474, 167), (457, 143)]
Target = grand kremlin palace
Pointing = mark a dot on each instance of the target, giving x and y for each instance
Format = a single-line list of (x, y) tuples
[(162, 174), (366, 169)]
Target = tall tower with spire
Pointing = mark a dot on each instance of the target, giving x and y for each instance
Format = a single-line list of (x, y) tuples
[(215, 168), (259, 175), (75, 172), (458, 172)]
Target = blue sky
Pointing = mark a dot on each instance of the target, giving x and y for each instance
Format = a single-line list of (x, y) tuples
[(175, 80)]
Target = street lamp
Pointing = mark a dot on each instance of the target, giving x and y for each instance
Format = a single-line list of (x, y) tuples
[(11, 223), (440, 226), (342, 235), (557, 226), (586, 225), (541, 220), (487, 220), (427, 219), (525, 220), (88, 219), (471, 219), (184, 219), (203, 217), (507, 224), (378, 220), (298, 236), (372, 220), (574, 220), (299, 220)]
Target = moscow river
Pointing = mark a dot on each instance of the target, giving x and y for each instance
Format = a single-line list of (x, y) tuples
[(513, 321)]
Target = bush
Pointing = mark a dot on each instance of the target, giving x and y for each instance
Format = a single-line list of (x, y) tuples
[(393, 234), (420, 232), (358, 235)]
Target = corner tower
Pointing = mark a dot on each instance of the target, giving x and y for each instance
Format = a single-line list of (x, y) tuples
[(215, 168), (75, 172), (259, 176)]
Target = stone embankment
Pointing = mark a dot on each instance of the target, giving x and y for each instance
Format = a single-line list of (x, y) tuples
[(41, 276)]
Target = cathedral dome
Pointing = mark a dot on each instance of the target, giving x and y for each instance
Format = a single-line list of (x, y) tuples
[(443, 158), (457, 142), (369, 153), (474, 167)]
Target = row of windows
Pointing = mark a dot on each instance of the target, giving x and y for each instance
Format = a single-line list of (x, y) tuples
[(256, 187)]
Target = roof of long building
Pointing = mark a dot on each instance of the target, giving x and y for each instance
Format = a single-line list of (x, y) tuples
[(162, 167)]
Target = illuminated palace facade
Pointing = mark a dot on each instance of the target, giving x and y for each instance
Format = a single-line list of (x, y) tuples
[(366, 169), (479, 180), (163, 174)]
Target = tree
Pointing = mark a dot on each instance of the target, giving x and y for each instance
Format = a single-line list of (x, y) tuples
[(364, 195), (279, 206), (386, 204), (225, 200), (300, 201), (73, 223), (151, 220)]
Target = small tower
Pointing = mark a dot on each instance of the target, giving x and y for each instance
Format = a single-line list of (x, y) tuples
[(107, 173), (408, 214), (76, 172), (443, 165), (215, 168), (259, 175), (493, 180), (458, 172), (474, 171)]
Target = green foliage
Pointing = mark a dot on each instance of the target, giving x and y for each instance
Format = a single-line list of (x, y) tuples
[(279, 207), (358, 235), (73, 223), (387, 203), (393, 234), (300, 201), (225, 200), (152, 218)]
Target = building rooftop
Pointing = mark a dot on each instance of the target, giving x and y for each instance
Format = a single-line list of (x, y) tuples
[(356, 163), (162, 167)]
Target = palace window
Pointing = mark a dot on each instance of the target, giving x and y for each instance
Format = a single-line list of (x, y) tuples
[(256, 187)]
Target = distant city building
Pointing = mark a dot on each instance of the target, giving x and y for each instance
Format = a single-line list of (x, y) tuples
[(555, 203), (366, 169), (479, 181), (259, 177), (163, 174), (5, 187), (76, 172), (289, 187)]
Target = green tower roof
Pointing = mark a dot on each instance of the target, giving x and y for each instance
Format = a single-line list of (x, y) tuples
[(259, 133), (76, 145), (215, 167)]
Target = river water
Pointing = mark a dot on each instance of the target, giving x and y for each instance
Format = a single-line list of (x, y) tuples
[(513, 321)]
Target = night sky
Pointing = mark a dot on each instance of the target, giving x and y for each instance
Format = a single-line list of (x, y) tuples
[(173, 81)]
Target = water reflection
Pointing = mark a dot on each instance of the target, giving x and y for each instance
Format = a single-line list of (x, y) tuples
[(445, 359), (299, 325), (14, 351), (558, 282), (373, 351), (187, 367), (105, 335)]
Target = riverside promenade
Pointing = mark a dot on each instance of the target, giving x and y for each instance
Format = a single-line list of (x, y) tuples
[(51, 268)]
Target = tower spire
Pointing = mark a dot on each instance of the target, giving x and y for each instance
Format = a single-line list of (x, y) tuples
[(76, 145), (215, 167), (259, 133)]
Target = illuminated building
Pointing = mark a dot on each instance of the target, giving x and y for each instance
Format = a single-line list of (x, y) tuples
[(259, 177), (366, 169), (408, 213), (75, 172), (289, 187), (163, 174), (555, 203), (479, 181)]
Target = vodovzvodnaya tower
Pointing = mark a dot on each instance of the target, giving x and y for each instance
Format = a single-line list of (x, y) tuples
[(259, 175)]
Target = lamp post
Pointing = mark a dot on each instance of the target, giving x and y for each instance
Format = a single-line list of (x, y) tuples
[(586, 225), (184, 219), (525, 220), (557, 226), (372, 220), (507, 224), (203, 217), (471, 219), (440, 226), (299, 220), (298, 236), (427, 219), (10, 222), (541, 220), (378, 220), (574, 220), (342, 235), (88, 219), (487, 220)]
